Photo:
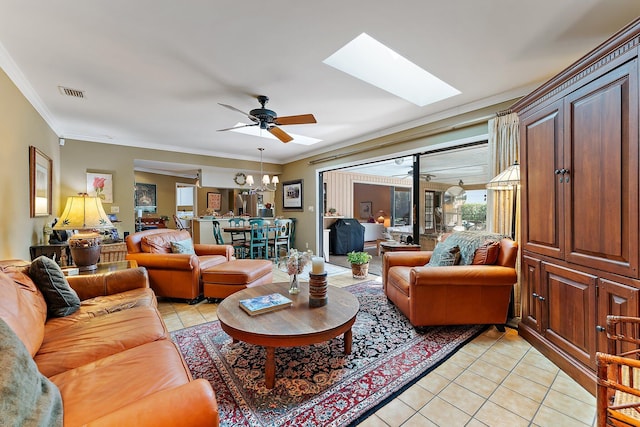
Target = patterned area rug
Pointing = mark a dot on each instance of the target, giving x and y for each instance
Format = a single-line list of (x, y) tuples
[(319, 385)]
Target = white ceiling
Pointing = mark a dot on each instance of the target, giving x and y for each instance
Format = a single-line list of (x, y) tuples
[(154, 71)]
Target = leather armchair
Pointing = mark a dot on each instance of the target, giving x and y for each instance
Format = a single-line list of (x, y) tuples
[(452, 295), (174, 275)]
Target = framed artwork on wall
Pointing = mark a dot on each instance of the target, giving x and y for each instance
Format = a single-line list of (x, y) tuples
[(292, 195), (145, 198), (40, 173), (100, 185), (365, 210), (213, 201)]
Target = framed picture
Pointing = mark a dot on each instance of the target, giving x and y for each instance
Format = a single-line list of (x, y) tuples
[(365, 210), (100, 185), (292, 195), (40, 173), (145, 197), (213, 201)]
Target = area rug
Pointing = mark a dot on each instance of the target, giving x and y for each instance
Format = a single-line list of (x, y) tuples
[(319, 385)]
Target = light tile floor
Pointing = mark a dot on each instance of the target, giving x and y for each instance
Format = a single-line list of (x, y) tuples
[(496, 380)]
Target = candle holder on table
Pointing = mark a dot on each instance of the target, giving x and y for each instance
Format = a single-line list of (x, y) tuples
[(318, 289)]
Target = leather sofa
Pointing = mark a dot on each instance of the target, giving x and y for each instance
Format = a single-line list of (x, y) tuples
[(112, 360), (174, 275), (450, 295)]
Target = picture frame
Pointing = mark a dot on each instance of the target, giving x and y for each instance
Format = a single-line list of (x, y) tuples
[(292, 195), (100, 185), (365, 210), (213, 200), (145, 197), (40, 178)]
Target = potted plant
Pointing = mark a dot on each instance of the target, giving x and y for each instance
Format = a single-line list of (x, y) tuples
[(359, 264)]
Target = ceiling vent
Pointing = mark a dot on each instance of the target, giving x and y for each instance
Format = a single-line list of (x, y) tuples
[(71, 92)]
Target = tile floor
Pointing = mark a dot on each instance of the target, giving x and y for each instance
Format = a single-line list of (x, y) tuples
[(498, 379)]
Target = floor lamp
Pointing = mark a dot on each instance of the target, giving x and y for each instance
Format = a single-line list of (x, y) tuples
[(508, 179)]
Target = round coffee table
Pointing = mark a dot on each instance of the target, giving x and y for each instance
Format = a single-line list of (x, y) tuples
[(294, 326)]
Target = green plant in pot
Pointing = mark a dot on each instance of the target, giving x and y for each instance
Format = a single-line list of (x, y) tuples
[(359, 264)]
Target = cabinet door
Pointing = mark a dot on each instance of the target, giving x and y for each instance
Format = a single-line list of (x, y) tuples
[(601, 154), (532, 295), (617, 299), (542, 208), (571, 306)]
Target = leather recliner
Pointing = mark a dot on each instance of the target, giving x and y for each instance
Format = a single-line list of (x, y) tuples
[(174, 275), (450, 295)]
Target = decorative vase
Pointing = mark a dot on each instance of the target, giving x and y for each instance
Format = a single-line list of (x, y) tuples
[(293, 284), (360, 271)]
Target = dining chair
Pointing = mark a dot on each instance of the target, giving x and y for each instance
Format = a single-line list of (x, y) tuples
[(217, 234), (238, 237), (280, 242), (258, 239)]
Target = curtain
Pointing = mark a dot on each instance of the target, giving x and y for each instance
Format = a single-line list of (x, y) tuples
[(504, 151)]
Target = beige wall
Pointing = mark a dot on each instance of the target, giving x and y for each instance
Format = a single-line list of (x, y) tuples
[(20, 127)]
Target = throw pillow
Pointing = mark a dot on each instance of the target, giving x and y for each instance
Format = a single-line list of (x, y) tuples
[(61, 299), (28, 397), (183, 247), (487, 254), (448, 257)]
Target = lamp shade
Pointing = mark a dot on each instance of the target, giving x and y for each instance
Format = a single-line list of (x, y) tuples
[(83, 212), (506, 179)]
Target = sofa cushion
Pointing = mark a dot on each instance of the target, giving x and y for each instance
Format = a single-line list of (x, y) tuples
[(183, 247), (28, 397), (48, 277), (106, 385), (444, 256), (76, 344), (487, 254), (468, 242), (160, 243)]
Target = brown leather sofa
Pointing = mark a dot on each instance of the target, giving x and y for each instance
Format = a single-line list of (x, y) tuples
[(112, 360), (174, 275), (450, 295)]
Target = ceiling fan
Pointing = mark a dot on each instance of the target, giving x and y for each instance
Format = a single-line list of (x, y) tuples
[(424, 176), (269, 120)]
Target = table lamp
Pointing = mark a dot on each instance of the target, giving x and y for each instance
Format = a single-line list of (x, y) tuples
[(85, 214)]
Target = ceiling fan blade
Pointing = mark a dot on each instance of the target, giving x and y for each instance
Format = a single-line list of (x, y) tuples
[(237, 127), (301, 119), (280, 134), (253, 118)]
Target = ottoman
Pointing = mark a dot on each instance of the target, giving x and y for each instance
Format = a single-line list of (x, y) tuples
[(224, 279)]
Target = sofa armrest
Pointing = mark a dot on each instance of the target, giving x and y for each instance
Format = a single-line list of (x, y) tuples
[(165, 261), (192, 404), (407, 259), (110, 283), (463, 275), (226, 250)]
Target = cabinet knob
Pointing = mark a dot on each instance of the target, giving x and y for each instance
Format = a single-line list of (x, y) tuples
[(535, 295), (600, 328), (557, 172), (540, 297)]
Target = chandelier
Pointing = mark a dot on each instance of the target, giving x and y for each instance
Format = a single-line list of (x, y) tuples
[(267, 184)]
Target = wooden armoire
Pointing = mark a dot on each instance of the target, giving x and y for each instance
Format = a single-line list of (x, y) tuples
[(579, 169)]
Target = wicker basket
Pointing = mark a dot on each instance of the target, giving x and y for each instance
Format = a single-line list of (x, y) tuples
[(113, 252)]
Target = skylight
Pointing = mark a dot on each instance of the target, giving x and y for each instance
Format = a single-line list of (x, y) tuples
[(256, 131), (369, 60)]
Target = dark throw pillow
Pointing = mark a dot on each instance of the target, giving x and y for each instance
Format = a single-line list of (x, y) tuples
[(61, 299), (28, 397), (487, 254)]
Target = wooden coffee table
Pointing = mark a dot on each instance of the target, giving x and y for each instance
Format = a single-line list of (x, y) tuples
[(295, 326)]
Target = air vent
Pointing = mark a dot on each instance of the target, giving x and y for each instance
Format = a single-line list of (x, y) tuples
[(71, 92)]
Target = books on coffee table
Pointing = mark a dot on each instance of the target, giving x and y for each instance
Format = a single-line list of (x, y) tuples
[(264, 304)]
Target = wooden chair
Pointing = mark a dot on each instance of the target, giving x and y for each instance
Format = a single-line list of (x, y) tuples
[(238, 238), (618, 388), (280, 242), (258, 239), (217, 234), (179, 224)]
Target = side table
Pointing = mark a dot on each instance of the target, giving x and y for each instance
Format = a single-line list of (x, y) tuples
[(106, 267), (392, 246)]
